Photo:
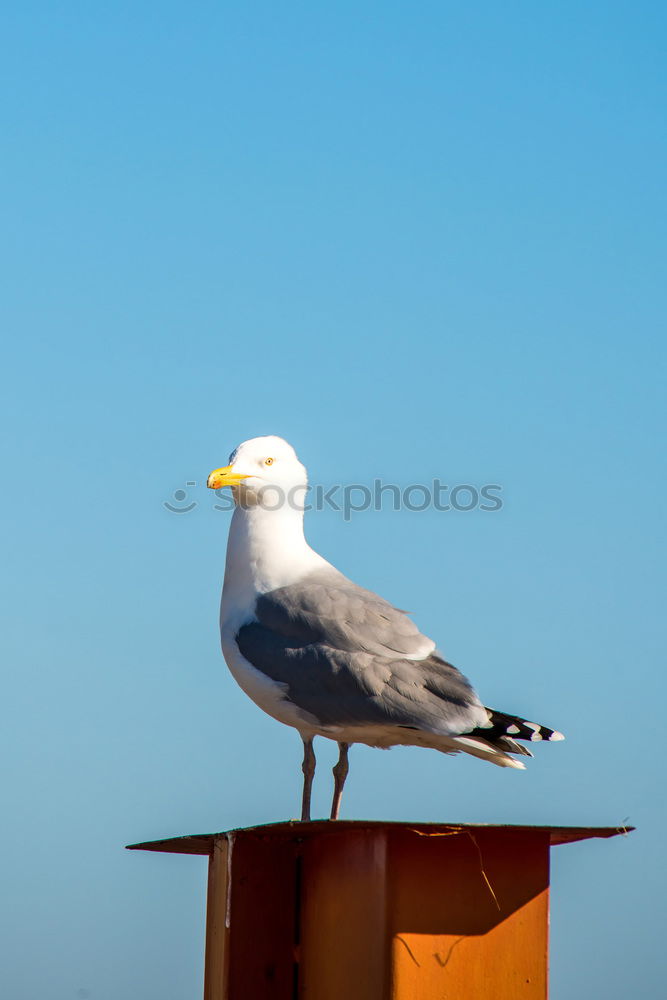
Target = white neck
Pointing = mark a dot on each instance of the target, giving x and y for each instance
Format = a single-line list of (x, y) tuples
[(266, 549)]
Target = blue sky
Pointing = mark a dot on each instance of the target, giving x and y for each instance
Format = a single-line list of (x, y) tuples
[(417, 240)]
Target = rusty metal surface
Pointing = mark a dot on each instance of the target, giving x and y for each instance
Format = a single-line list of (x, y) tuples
[(344, 942), (216, 965), (468, 915), (294, 830), (367, 910)]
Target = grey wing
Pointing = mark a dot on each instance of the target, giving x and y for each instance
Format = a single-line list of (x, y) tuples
[(351, 659)]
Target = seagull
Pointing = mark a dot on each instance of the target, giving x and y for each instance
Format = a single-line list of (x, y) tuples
[(321, 654)]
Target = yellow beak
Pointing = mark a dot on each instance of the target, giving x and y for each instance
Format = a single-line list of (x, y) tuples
[(224, 477)]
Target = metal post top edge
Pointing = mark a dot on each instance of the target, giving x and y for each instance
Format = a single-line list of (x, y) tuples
[(202, 843)]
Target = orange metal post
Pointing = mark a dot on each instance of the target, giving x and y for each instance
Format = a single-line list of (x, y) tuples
[(468, 915), (262, 894), (216, 965), (377, 911), (343, 904)]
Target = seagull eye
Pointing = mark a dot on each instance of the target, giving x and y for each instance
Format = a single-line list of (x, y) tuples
[(268, 461)]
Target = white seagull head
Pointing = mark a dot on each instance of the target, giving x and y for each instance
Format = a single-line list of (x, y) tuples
[(263, 471)]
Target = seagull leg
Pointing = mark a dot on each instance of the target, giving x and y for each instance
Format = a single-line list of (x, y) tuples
[(308, 768), (340, 774)]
